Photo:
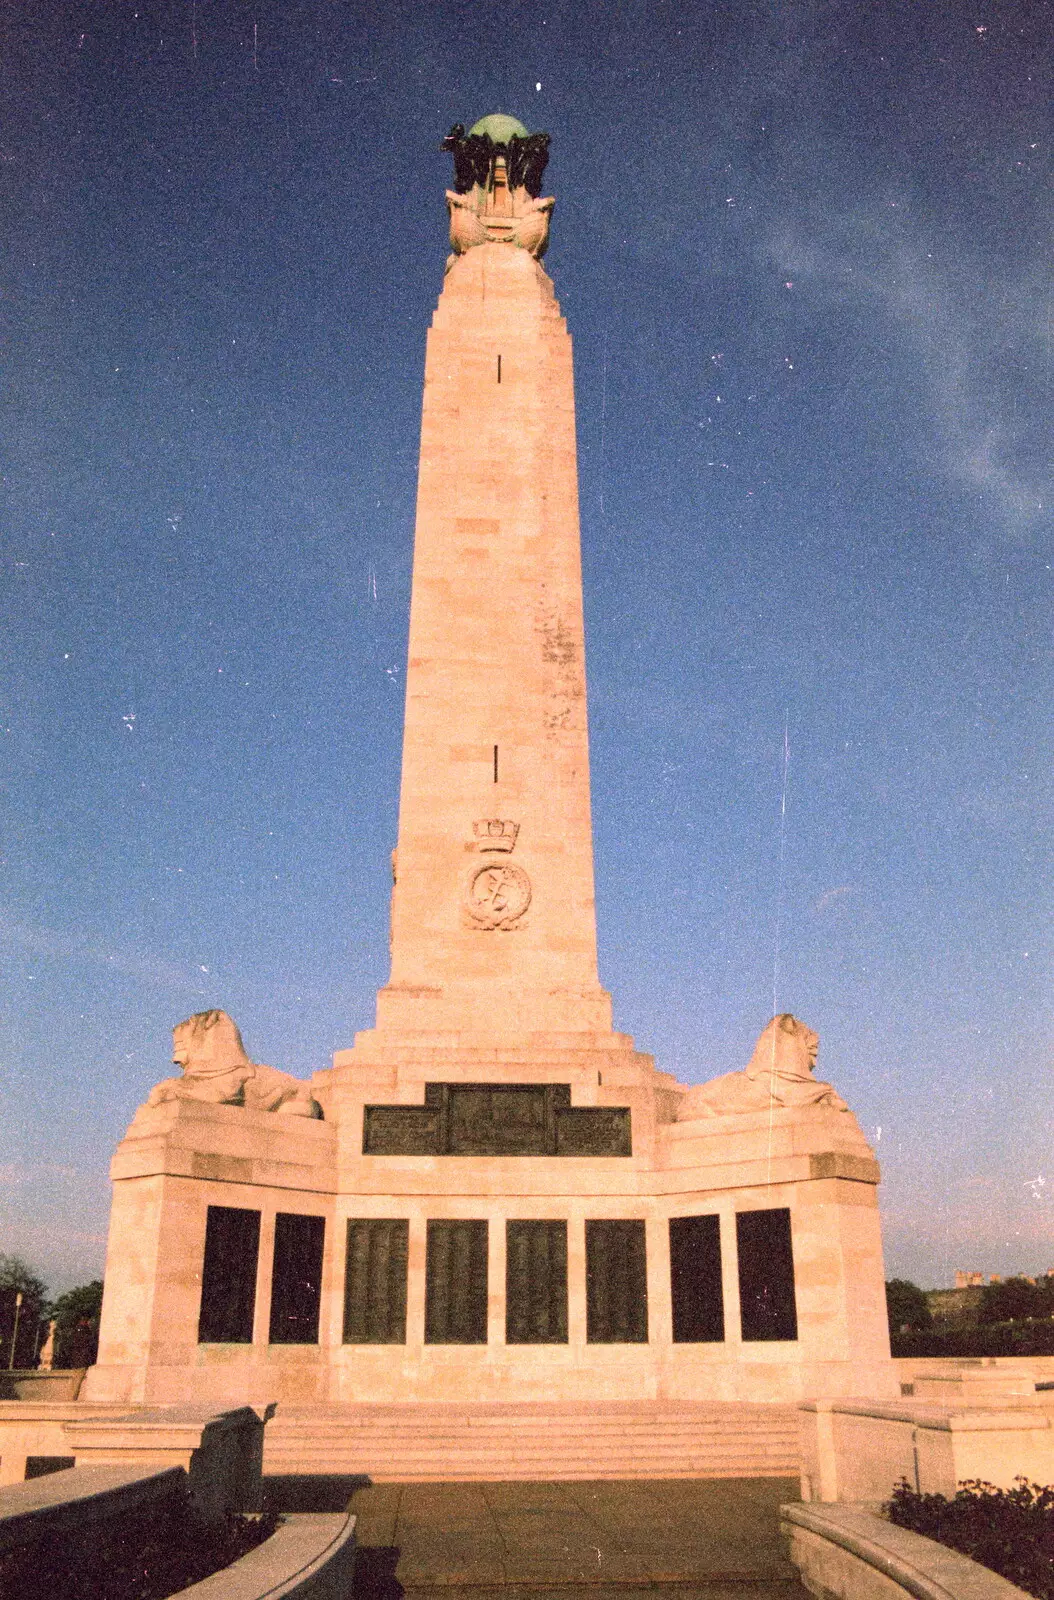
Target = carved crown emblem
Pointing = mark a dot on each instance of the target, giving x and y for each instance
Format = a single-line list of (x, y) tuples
[(494, 834)]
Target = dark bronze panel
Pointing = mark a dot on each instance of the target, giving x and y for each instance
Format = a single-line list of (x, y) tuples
[(695, 1280), (536, 1283), (456, 1283), (375, 1280), (296, 1282), (497, 1119), (400, 1131), (594, 1131), (228, 1275), (616, 1283), (766, 1274)]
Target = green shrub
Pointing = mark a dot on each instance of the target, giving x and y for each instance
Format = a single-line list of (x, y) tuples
[(906, 1306), (1028, 1338), (76, 1315), (1011, 1531), (1017, 1300)]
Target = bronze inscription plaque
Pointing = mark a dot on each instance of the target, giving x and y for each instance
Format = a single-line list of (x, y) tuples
[(497, 1119)]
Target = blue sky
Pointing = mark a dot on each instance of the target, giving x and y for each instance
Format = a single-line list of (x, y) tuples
[(804, 253)]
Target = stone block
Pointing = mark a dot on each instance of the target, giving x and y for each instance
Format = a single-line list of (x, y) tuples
[(222, 1453), (860, 1450)]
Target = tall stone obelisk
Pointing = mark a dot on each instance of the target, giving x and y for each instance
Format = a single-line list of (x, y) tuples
[(493, 920)]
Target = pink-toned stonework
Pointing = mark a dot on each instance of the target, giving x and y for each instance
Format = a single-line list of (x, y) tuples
[(494, 983)]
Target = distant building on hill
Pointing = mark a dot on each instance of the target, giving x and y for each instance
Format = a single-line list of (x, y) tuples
[(959, 1307)]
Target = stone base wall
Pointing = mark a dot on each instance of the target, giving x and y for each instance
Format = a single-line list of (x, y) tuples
[(184, 1160)]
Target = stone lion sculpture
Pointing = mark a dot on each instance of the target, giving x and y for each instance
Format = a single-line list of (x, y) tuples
[(215, 1067), (779, 1073)]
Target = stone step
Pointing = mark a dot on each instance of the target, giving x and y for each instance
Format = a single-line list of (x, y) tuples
[(431, 1442)]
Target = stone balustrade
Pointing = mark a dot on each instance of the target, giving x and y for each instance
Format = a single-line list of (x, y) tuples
[(849, 1552)]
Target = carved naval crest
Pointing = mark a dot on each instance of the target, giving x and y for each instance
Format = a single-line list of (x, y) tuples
[(498, 895)]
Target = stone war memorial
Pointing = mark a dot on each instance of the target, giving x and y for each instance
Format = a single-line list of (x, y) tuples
[(491, 1195)]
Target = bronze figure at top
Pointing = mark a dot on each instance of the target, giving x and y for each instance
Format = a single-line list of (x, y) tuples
[(526, 158), (496, 198)]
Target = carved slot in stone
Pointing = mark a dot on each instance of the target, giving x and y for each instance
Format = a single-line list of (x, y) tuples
[(375, 1280), (766, 1274), (695, 1280), (536, 1283), (228, 1275), (616, 1283), (497, 1119), (296, 1282), (456, 1283)]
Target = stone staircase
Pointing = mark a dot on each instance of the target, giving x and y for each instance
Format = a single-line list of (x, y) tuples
[(443, 1442)]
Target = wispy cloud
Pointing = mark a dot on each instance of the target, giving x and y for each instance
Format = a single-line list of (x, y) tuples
[(53, 945), (976, 339), (831, 896), (36, 1172)]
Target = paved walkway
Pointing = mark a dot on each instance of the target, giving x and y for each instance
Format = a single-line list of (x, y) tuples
[(693, 1539)]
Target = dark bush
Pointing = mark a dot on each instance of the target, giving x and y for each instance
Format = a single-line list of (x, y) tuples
[(76, 1315), (1017, 1300), (906, 1306), (1011, 1531), (990, 1339), (150, 1557)]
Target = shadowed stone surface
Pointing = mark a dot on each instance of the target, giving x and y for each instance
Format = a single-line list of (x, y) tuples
[(717, 1538)]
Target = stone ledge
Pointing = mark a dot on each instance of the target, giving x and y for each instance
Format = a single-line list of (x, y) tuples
[(849, 1552), (54, 1506), (221, 1451), (310, 1556), (57, 1384), (948, 1416)]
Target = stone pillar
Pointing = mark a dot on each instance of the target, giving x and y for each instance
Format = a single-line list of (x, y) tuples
[(415, 1285), (576, 1280), (660, 1318), (730, 1277), (496, 1252), (493, 921)]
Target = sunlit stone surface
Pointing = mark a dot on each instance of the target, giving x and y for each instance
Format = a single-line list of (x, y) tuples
[(503, 1198)]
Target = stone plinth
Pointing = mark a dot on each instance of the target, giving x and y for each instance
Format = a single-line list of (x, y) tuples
[(177, 1160)]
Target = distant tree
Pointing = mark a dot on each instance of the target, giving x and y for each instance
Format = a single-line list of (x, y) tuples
[(20, 1318), (1013, 1301), (907, 1307), (76, 1315), (1045, 1291)]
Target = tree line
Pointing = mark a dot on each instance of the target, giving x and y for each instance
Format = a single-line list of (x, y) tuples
[(27, 1310), (1015, 1317)]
